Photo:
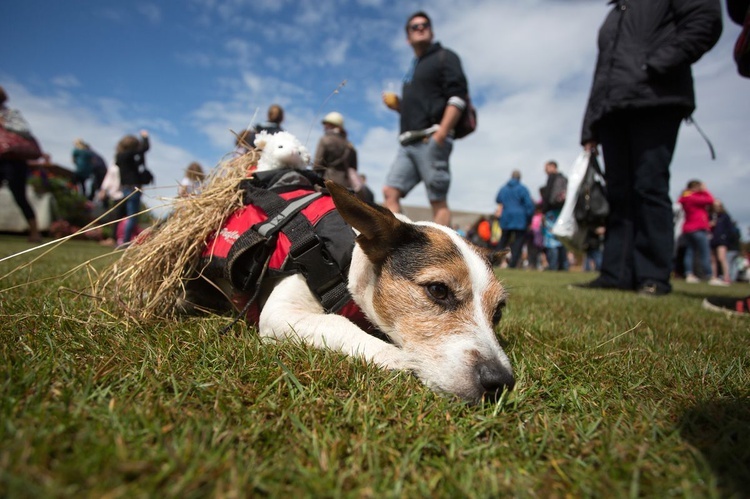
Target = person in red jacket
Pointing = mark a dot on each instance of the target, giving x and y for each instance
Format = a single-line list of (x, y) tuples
[(695, 201)]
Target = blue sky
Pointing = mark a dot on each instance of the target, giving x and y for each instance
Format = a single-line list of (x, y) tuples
[(190, 71)]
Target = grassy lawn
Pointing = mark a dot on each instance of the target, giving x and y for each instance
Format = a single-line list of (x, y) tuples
[(617, 396)]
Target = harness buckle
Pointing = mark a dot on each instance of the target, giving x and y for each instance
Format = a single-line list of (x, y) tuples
[(321, 273)]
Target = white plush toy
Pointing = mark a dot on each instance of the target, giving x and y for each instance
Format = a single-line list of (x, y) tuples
[(280, 150)]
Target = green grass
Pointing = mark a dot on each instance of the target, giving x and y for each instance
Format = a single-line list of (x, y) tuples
[(617, 396)]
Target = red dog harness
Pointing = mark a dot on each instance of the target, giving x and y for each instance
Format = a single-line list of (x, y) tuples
[(285, 227)]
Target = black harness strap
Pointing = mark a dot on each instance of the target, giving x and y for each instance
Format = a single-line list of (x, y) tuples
[(307, 254)]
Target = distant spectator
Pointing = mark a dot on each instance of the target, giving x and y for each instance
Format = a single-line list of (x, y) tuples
[(696, 228), (335, 156), (131, 157), (82, 159), (593, 247), (557, 255), (246, 140), (99, 170), (535, 239), (192, 183), (275, 116), (110, 195), (515, 209), (553, 197), (15, 172), (480, 232), (723, 236), (110, 192), (365, 193)]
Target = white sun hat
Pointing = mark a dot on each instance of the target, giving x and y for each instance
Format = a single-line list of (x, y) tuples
[(335, 119)]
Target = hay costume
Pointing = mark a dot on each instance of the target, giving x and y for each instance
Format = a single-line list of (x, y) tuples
[(246, 232)]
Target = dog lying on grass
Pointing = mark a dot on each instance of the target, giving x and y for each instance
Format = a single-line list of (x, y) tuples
[(431, 297)]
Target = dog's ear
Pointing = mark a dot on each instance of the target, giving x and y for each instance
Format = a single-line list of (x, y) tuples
[(378, 228), (496, 258)]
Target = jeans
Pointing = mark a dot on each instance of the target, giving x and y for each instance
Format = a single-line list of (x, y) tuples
[(593, 260), (516, 247), (697, 243), (557, 258), (132, 207)]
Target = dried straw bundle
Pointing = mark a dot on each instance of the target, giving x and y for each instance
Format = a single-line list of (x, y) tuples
[(147, 281)]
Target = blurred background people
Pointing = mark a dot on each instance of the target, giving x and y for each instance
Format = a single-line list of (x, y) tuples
[(365, 193), (246, 140), (724, 235), (553, 197), (696, 229), (82, 159), (130, 157), (16, 171), (335, 156), (192, 183), (514, 209)]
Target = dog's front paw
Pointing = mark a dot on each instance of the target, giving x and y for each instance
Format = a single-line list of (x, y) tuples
[(394, 358)]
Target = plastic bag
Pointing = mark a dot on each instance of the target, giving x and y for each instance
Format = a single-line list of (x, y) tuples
[(566, 228)]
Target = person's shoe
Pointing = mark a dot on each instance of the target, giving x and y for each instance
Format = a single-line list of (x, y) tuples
[(715, 281), (728, 305), (691, 279), (652, 289), (595, 284)]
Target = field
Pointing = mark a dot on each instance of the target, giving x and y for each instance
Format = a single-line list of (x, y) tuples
[(617, 395)]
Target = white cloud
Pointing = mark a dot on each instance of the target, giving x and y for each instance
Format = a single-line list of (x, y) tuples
[(66, 81), (151, 12)]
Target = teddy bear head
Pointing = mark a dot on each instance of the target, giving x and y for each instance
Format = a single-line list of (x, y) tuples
[(280, 150)]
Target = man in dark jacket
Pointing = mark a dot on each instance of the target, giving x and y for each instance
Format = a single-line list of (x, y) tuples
[(433, 98), (739, 12), (642, 90)]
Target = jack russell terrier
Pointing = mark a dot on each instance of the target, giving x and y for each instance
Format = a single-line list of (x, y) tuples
[(432, 295)]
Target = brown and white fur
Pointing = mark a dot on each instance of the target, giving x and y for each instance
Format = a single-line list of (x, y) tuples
[(431, 292)]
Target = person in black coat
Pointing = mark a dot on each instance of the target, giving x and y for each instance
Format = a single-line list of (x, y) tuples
[(131, 157), (641, 91), (739, 12)]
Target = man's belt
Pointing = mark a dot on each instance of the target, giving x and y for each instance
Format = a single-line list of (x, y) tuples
[(412, 136)]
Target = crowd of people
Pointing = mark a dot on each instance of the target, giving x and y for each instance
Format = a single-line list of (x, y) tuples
[(708, 242), (641, 91)]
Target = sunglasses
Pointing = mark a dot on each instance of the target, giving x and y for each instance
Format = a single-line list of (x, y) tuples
[(419, 26)]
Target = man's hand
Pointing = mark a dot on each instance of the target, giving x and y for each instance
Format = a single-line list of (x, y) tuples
[(392, 101), (440, 135)]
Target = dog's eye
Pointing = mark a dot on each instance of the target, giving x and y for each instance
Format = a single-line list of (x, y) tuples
[(498, 315), (439, 291)]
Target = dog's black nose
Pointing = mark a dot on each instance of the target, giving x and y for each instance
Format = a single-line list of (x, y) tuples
[(495, 378)]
